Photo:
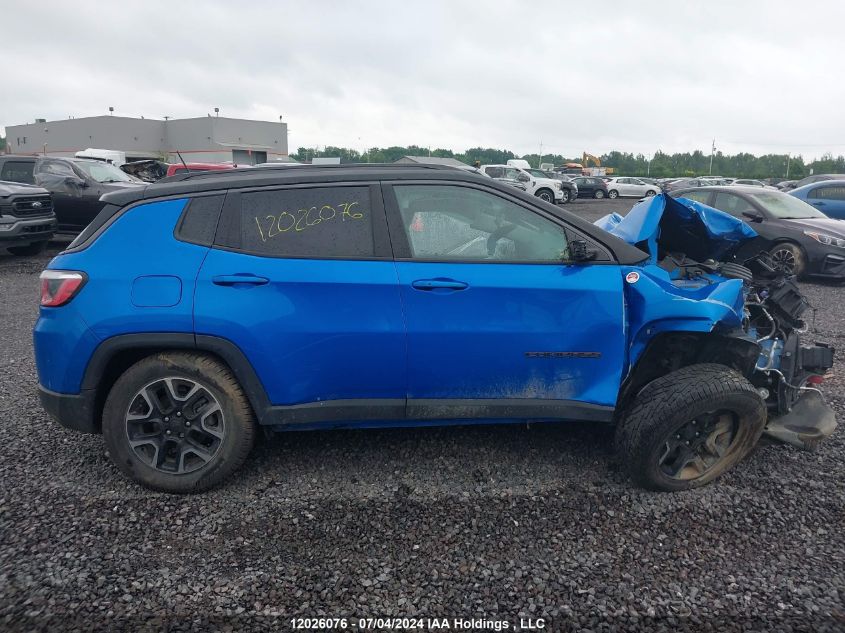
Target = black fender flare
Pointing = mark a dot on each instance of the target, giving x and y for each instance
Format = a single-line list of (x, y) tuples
[(156, 342)]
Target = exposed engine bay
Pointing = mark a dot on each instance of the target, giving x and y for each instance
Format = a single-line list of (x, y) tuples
[(696, 248)]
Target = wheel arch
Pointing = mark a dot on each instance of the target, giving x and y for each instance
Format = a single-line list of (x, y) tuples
[(673, 350), (115, 355), (544, 189)]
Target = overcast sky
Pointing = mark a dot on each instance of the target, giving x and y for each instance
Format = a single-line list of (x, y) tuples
[(577, 76)]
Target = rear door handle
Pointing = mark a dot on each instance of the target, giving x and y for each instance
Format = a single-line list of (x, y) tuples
[(439, 284), (239, 278), (818, 204)]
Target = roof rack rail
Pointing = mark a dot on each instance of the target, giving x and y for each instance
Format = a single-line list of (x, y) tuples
[(217, 173)]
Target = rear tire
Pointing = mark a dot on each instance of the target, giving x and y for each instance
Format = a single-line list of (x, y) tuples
[(178, 422), (564, 198), (685, 429), (36, 248), (612, 194), (599, 194), (789, 258)]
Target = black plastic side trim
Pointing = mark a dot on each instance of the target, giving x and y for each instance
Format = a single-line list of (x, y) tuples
[(158, 341), (337, 410), (447, 409), (435, 409), (72, 411)]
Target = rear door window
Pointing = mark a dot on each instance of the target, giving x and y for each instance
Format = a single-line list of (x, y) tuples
[(733, 204), (313, 222), (698, 196), (827, 193)]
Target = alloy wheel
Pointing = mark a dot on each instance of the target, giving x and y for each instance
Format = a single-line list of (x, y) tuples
[(784, 260), (699, 445), (175, 425)]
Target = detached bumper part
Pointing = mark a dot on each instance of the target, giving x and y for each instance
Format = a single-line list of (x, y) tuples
[(809, 422)]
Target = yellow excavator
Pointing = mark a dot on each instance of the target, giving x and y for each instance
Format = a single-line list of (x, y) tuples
[(586, 159)]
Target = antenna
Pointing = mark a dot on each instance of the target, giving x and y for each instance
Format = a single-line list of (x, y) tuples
[(183, 161)]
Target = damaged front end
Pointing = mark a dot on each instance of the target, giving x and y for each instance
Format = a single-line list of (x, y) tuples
[(698, 290)]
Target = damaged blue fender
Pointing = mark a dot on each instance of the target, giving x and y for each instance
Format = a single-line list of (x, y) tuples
[(661, 301)]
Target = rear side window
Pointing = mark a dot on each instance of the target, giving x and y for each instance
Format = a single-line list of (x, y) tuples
[(18, 171), (698, 196), (317, 222), (199, 220), (828, 193)]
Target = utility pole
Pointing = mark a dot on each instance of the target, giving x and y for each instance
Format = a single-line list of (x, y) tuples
[(712, 151), (787, 166), (540, 160)]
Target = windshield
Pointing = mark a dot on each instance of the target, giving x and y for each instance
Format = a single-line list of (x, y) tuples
[(786, 207), (537, 173), (104, 172)]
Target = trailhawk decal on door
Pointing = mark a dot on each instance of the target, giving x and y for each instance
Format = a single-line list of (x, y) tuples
[(563, 354)]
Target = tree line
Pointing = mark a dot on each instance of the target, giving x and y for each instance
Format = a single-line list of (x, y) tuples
[(661, 165)]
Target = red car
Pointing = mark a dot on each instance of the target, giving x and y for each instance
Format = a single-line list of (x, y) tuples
[(179, 168)]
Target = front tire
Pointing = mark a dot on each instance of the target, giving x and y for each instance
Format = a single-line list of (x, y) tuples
[(36, 248), (688, 427), (178, 422), (564, 198), (546, 195), (789, 258), (650, 193), (612, 194)]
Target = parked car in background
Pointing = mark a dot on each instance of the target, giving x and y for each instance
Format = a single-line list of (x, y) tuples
[(27, 221), (684, 183), (800, 239), (569, 187), (421, 296), (179, 168), (76, 184), (828, 196), (786, 185), (750, 182), (536, 182), (590, 187), (817, 178), (146, 170), (627, 187)]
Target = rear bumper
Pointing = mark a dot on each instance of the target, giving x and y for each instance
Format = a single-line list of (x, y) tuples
[(72, 411)]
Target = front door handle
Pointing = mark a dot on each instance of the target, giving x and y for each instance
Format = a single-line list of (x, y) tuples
[(439, 284), (239, 278), (818, 204)]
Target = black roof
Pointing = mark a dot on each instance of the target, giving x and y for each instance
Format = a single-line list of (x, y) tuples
[(203, 181), (209, 181)]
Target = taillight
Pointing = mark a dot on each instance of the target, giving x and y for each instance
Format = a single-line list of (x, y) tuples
[(815, 380), (60, 286)]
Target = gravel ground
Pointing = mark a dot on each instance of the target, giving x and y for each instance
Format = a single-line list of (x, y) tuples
[(476, 522)]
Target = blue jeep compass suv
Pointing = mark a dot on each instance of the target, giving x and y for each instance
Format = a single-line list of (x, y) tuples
[(195, 310)]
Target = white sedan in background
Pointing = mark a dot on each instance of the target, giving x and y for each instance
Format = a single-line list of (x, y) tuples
[(748, 182), (625, 186)]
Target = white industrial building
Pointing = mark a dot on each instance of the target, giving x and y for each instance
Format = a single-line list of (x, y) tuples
[(210, 139)]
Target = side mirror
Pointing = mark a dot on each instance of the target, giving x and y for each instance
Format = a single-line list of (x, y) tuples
[(523, 178), (754, 216), (73, 181)]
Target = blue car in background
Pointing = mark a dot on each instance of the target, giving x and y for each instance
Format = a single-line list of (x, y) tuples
[(828, 196), (194, 311)]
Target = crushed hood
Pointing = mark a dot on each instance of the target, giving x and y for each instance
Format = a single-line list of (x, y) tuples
[(663, 224)]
